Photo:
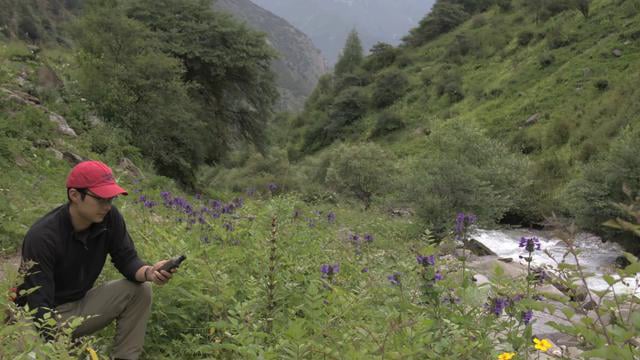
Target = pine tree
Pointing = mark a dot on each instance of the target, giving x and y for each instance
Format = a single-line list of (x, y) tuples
[(352, 55)]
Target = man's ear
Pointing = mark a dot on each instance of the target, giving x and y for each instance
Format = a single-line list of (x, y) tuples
[(74, 195)]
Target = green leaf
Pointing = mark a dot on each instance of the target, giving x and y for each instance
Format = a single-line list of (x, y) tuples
[(569, 313), (609, 279)]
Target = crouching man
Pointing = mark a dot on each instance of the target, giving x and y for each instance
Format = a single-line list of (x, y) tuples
[(69, 247)]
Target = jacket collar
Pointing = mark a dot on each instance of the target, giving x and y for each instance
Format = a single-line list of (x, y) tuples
[(94, 229)]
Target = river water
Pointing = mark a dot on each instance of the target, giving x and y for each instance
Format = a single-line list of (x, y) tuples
[(595, 256)]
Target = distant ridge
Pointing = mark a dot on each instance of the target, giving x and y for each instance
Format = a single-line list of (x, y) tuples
[(300, 64)]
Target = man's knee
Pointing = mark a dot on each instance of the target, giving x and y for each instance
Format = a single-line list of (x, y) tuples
[(139, 291), (145, 292)]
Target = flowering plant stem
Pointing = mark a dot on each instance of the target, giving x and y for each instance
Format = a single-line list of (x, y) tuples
[(271, 282)]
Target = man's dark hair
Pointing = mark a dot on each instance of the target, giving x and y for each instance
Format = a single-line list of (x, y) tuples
[(82, 191)]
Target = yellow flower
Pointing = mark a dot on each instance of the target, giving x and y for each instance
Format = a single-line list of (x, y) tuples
[(92, 354), (542, 345), (506, 356)]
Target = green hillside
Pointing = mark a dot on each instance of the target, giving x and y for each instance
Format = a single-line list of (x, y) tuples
[(554, 86)]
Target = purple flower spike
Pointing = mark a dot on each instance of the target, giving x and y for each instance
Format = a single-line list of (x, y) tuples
[(149, 204), (331, 217), (426, 260), (394, 278), (530, 244), (324, 269), (328, 271), (438, 276), (527, 316), (368, 238), (499, 304), (463, 221)]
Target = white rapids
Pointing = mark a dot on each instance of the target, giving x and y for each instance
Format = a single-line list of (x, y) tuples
[(596, 258)]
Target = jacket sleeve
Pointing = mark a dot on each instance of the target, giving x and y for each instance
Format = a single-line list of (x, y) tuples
[(123, 252), (39, 281)]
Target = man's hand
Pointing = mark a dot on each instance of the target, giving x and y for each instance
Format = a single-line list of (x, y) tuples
[(159, 277)]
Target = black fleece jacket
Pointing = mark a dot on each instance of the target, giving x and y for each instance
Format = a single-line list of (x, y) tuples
[(67, 263)]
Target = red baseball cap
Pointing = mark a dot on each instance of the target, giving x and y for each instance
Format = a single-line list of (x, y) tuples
[(95, 176)]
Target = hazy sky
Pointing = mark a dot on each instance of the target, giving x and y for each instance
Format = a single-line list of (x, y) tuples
[(327, 22)]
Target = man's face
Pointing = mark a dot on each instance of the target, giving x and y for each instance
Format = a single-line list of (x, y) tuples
[(92, 208)]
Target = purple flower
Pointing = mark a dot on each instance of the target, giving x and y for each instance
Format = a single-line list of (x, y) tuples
[(149, 204), (368, 238), (331, 217), (355, 238), (329, 270), (228, 226), (272, 187), (216, 204), (365, 270), (438, 276), (530, 244), (463, 221), (527, 316), (394, 278), (499, 304), (142, 198), (426, 260), (198, 196)]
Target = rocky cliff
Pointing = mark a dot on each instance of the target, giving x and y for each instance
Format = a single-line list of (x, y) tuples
[(300, 63)]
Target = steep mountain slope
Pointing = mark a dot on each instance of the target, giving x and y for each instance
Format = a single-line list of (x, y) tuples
[(554, 86), (300, 63), (328, 22)]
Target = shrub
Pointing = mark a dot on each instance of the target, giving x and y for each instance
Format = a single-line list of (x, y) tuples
[(461, 46), (525, 37), (505, 5), (556, 38), (388, 88), (602, 84), (381, 56), (387, 122), (546, 59), (464, 170), (349, 106), (350, 79), (599, 185), (403, 61), (558, 133), (443, 17), (450, 84), (362, 170)]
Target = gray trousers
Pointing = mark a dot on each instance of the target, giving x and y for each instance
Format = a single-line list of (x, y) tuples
[(126, 302)]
